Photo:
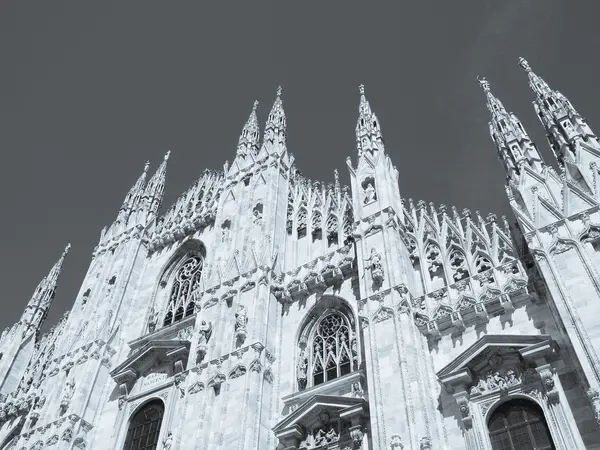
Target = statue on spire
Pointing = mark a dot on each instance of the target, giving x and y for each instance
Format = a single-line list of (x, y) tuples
[(483, 82), (524, 64)]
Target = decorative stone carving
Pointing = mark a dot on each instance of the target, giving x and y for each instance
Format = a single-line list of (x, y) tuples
[(357, 434), (370, 194), (68, 392), (204, 334), (547, 376), (396, 442), (494, 381), (425, 443), (241, 319), (167, 443), (376, 267), (301, 369), (594, 397), (152, 320)]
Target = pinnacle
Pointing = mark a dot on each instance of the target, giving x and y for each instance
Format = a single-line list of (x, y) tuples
[(483, 82), (524, 64)]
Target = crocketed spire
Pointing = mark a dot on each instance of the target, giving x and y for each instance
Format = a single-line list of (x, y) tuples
[(368, 132), (512, 141), (153, 194), (275, 128), (250, 137)]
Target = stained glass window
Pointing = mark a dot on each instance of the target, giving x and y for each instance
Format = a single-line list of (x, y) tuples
[(519, 425), (187, 279), (144, 427), (331, 356)]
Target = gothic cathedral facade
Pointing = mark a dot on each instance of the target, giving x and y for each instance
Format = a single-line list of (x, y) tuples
[(266, 311)]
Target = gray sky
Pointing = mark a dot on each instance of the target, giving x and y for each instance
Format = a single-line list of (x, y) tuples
[(90, 90)]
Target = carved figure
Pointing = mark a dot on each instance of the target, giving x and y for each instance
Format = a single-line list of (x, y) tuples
[(511, 378), (204, 332), (376, 266), (302, 369), (491, 383), (257, 217), (331, 435), (499, 380), (370, 193), (320, 437), (241, 318), (152, 320), (68, 393)]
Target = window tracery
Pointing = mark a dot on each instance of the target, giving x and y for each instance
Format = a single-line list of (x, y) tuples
[(519, 424), (458, 264), (144, 427), (181, 301), (332, 352)]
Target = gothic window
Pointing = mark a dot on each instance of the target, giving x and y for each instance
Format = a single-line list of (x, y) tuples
[(519, 425), (301, 222), (332, 229), (317, 220), (482, 264), (181, 301), (458, 264), (331, 354), (144, 427)]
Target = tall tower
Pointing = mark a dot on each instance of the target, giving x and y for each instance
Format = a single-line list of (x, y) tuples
[(387, 284), (18, 343), (572, 141)]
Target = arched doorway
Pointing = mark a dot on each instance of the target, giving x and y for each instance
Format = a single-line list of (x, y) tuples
[(519, 425), (144, 427)]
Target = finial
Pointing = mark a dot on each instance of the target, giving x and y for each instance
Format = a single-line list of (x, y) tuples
[(279, 91), (361, 89), (146, 166), (524, 64), (336, 176), (484, 84), (167, 154), (67, 248), (255, 105)]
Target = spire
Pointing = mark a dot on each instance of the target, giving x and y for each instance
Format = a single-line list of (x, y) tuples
[(564, 125), (368, 132), (515, 148), (44, 294), (133, 196), (249, 139), (275, 128), (153, 194)]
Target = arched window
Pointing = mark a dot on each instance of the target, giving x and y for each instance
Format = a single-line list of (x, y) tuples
[(519, 425), (181, 301), (331, 354), (144, 427)]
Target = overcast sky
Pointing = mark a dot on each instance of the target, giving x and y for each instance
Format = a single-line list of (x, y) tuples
[(91, 90)]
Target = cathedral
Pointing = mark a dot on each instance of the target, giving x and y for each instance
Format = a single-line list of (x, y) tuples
[(267, 311)]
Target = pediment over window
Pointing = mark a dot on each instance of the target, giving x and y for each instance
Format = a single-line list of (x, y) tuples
[(496, 362), (322, 418), (153, 353)]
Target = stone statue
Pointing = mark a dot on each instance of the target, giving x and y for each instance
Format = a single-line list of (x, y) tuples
[(257, 217), (204, 332), (490, 381), (241, 319), (369, 193), (376, 266), (152, 320), (302, 369), (511, 378)]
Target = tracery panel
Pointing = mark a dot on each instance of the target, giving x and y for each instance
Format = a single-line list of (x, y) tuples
[(331, 356), (519, 425), (144, 427), (181, 301)]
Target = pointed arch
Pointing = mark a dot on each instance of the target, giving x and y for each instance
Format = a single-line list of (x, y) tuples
[(332, 229), (482, 262), (518, 423), (144, 426), (182, 274), (458, 265), (327, 343)]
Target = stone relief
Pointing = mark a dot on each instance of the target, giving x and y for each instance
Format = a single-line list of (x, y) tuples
[(370, 194), (152, 320), (302, 369)]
